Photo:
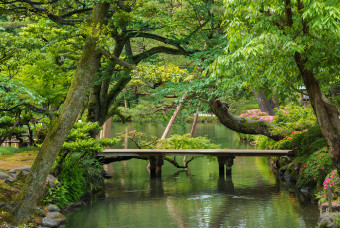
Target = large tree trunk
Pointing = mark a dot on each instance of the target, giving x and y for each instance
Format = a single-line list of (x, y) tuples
[(265, 105), (326, 113), (61, 127), (242, 125)]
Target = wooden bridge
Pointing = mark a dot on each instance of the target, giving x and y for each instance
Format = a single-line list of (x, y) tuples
[(225, 157), (192, 152)]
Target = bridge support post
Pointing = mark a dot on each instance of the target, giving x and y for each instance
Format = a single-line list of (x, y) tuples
[(227, 161), (156, 164)]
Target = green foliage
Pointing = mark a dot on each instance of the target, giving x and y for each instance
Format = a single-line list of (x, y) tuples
[(246, 137), (79, 140), (79, 171), (261, 46), (57, 196), (314, 171), (78, 175), (304, 142), (185, 142), (263, 142), (5, 150), (294, 118)]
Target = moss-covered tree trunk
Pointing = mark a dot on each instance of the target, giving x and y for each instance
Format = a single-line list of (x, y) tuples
[(243, 125), (326, 113), (60, 128)]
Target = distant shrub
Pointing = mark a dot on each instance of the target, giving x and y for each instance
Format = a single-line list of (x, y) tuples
[(186, 142)]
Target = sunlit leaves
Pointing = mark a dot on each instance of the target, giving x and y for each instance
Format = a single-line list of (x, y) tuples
[(261, 47)]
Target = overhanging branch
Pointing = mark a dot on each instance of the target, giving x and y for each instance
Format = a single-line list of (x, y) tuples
[(243, 125)]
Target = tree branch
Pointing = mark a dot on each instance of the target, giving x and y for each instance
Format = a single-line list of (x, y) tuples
[(29, 106), (155, 50), (243, 125)]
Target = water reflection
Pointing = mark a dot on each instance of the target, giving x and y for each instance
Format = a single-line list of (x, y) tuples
[(196, 197), (225, 185)]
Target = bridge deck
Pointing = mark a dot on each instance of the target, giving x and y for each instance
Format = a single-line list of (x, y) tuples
[(192, 152)]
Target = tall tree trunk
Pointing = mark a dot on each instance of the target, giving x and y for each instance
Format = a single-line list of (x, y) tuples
[(326, 113), (61, 127), (264, 104), (106, 132)]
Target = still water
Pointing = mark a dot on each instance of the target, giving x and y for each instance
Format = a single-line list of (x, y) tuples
[(197, 197)]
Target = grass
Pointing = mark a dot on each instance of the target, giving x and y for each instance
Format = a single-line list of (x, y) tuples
[(6, 150), (25, 158)]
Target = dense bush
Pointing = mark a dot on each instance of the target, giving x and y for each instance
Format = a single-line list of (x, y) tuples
[(293, 118), (78, 170), (185, 142), (304, 142), (332, 181), (314, 171), (78, 176), (79, 140)]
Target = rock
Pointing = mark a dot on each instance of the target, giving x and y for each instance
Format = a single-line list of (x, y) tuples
[(77, 204), (47, 221), (74, 206), (335, 207), (60, 220), (43, 227), (328, 219), (39, 212), (17, 170), (53, 208), (3, 176), (11, 178), (54, 215), (51, 181), (284, 160)]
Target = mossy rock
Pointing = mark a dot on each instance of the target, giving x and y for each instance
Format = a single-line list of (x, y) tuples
[(284, 160), (330, 219), (292, 172)]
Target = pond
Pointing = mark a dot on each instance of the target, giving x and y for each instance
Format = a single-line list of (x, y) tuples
[(196, 197)]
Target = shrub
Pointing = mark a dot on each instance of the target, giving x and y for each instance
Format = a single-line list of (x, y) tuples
[(78, 170), (186, 142), (78, 175), (294, 118), (332, 180), (314, 171)]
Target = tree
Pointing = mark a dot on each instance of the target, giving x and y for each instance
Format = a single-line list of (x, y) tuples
[(143, 32), (73, 105), (286, 44)]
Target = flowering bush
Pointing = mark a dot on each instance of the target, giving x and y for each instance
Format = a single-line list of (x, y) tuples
[(332, 180), (304, 142), (256, 114), (314, 171)]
